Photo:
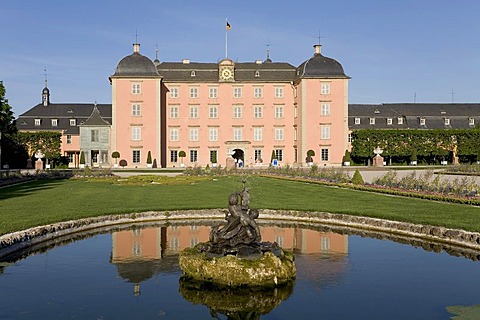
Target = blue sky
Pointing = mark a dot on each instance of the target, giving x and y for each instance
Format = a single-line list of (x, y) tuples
[(392, 50)]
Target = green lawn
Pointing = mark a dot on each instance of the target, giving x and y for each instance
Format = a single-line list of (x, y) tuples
[(46, 201)]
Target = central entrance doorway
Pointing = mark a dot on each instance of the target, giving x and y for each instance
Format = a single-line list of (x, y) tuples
[(239, 157)]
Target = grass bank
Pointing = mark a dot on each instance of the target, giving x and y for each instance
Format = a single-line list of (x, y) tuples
[(47, 201)]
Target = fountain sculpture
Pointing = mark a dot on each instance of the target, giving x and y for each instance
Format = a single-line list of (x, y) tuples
[(235, 254)]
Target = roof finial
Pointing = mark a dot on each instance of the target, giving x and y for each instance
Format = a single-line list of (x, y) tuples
[(136, 45), (45, 73), (268, 53)]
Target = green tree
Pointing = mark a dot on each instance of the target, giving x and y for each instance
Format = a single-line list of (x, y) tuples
[(49, 142), (149, 158), (10, 152)]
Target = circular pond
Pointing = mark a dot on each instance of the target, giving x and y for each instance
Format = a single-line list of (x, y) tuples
[(131, 272)]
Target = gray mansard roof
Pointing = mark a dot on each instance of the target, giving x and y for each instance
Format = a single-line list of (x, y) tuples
[(244, 71), (62, 112), (320, 66), (434, 115)]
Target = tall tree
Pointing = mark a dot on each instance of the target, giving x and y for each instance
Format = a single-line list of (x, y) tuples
[(10, 151)]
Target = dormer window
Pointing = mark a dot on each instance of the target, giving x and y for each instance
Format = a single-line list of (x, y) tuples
[(372, 120), (376, 111), (357, 120), (38, 122), (471, 121), (54, 122), (400, 120), (422, 121), (447, 121), (70, 111), (389, 121), (257, 74), (73, 122), (192, 74)]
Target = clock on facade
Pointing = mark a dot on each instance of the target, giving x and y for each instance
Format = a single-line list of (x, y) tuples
[(226, 74)]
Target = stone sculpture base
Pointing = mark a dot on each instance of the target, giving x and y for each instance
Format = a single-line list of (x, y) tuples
[(267, 271)]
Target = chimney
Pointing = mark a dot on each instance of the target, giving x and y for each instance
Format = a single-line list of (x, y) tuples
[(318, 48), (136, 48)]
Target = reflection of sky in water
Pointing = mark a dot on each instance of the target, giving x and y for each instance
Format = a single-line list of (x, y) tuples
[(373, 279)]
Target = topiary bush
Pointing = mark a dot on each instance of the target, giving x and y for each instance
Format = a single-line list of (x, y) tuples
[(357, 178)]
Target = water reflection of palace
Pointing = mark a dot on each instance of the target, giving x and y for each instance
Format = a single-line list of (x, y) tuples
[(141, 253)]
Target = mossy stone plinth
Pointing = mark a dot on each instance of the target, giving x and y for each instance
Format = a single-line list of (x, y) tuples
[(267, 271)]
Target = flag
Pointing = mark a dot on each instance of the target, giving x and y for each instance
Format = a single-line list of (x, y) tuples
[(228, 26)]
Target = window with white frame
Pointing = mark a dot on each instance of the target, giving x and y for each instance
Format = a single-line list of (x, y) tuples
[(54, 122), (193, 92), (325, 109), (325, 88), (257, 92), (71, 157), (136, 133), (193, 112), (69, 139), (389, 121), (94, 135), (136, 109), (295, 134), (193, 134), (349, 139), (471, 121), (400, 120), (193, 73), (422, 121), (136, 88), (237, 92), (295, 112), (372, 120), (174, 112), (135, 156), (258, 112), (237, 112), (174, 92), (324, 154), (257, 134), (446, 121), (237, 134), (193, 155), (38, 122), (213, 134), (258, 155), (278, 92), (174, 134), (73, 122), (278, 111), (213, 92), (357, 120), (173, 156), (213, 112), (279, 154), (325, 132), (279, 134)]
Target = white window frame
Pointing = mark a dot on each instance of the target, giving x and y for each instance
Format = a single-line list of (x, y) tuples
[(73, 122), (325, 132), (213, 112), (325, 88), (325, 109), (258, 154), (258, 112), (193, 134), (136, 88), (136, 156), (174, 112), (94, 135), (213, 92), (174, 134), (257, 134), (193, 92), (423, 121), (279, 111), (357, 120), (372, 120), (193, 155), (400, 120), (54, 122), (193, 112), (324, 154), (389, 121), (279, 93), (446, 121), (279, 154), (173, 156), (136, 133), (237, 112), (471, 121), (257, 92), (237, 134), (69, 139), (237, 92), (136, 109), (279, 134), (174, 92), (213, 134)]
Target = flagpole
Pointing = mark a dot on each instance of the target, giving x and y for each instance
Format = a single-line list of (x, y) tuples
[(226, 38)]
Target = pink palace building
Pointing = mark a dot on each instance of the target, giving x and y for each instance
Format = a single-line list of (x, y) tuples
[(193, 114)]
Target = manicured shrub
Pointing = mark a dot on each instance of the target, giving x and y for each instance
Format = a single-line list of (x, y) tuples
[(357, 178)]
